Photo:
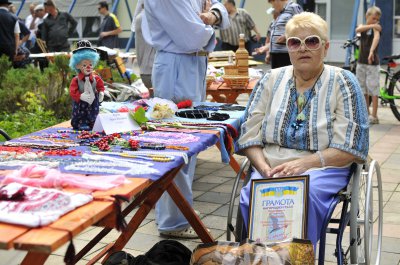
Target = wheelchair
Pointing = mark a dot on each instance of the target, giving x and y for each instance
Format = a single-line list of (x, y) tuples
[(353, 211)]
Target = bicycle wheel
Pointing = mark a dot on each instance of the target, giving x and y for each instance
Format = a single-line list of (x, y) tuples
[(394, 95)]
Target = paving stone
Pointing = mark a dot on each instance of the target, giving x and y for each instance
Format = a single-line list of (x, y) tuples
[(223, 211), (395, 197), (215, 222), (214, 197), (393, 207), (225, 188), (211, 178), (142, 242), (391, 218), (89, 234), (197, 193), (205, 207), (203, 186)]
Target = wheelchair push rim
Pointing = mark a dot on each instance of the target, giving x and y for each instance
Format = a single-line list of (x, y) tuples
[(369, 219)]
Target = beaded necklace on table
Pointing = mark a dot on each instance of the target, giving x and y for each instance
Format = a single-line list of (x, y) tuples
[(110, 167), (301, 104), (168, 138)]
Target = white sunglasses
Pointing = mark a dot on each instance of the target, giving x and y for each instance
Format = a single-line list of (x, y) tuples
[(312, 43)]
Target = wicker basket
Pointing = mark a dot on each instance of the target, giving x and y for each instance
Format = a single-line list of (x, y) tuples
[(209, 80), (236, 81), (230, 70)]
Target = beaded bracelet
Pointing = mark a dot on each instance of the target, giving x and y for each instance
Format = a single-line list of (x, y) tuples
[(321, 158)]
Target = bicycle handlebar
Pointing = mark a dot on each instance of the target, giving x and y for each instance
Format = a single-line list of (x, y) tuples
[(352, 42)]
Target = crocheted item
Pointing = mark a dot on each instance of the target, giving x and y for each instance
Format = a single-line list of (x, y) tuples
[(38, 206)]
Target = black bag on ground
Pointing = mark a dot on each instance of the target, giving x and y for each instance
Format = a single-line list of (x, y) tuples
[(120, 258), (165, 252)]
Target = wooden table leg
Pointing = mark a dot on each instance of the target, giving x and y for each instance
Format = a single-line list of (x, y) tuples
[(189, 213), (35, 258), (147, 199)]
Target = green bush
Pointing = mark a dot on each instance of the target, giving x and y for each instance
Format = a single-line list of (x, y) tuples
[(29, 118)]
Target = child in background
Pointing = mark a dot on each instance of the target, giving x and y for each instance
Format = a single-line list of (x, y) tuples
[(367, 70)]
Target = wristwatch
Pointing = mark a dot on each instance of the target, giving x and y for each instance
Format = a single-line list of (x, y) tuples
[(217, 15)]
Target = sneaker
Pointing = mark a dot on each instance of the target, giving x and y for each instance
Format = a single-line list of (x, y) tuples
[(185, 233), (373, 120)]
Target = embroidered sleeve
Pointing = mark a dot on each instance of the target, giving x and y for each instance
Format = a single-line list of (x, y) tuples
[(74, 90), (350, 128), (99, 84), (254, 115)]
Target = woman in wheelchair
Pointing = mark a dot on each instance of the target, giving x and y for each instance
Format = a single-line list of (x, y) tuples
[(308, 118)]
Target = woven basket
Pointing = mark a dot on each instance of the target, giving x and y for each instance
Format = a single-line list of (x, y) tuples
[(209, 80), (236, 81)]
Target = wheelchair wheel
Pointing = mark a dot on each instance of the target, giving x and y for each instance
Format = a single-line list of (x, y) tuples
[(366, 217)]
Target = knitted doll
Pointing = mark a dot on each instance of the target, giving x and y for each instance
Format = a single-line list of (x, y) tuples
[(87, 88)]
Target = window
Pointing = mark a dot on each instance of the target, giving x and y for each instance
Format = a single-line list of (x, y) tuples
[(341, 18), (396, 24)]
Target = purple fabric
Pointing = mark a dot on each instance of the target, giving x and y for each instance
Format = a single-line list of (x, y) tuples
[(206, 140), (324, 184)]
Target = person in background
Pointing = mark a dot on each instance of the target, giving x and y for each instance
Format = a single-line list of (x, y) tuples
[(182, 33), (9, 31), (31, 22), (265, 48), (144, 52), (306, 119), (278, 51), (367, 70), (109, 28), (56, 28), (241, 22), (24, 31)]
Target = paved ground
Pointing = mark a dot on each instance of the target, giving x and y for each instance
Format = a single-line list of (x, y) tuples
[(213, 186)]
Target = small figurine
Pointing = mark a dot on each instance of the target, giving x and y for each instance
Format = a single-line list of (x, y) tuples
[(87, 88)]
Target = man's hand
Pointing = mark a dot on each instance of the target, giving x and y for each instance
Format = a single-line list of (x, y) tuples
[(371, 58), (281, 39), (103, 34), (207, 6), (208, 18)]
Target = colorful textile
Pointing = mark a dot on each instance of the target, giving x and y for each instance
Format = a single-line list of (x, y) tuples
[(44, 177), (34, 207)]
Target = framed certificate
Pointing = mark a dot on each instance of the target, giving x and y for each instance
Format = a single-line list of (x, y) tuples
[(278, 209)]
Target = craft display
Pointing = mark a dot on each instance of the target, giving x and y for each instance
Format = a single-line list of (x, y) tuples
[(162, 111), (34, 207), (87, 88)]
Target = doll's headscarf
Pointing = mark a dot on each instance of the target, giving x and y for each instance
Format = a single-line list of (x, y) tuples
[(84, 54)]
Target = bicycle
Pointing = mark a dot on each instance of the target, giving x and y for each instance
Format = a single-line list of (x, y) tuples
[(389, 93)]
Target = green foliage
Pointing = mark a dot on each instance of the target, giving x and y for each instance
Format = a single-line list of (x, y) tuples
[(5, 65), (139, 115), (29, 118)]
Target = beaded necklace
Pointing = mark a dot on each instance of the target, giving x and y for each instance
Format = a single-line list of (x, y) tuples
[(301, 104), (167, 138)]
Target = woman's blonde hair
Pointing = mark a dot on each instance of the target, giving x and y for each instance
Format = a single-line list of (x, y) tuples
[(307, 20)]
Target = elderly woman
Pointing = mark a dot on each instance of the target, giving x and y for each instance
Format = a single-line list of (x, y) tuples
[(308, 118)]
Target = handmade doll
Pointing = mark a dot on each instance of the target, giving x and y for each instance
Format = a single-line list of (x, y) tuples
[(87, 88)]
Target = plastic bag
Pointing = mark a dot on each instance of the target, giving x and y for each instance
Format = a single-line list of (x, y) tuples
[(294, 251)]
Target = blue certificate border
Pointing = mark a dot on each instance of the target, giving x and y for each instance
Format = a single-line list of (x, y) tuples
[(304, 180)]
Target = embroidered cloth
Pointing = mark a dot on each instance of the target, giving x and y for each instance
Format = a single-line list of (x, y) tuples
[(34, 207)]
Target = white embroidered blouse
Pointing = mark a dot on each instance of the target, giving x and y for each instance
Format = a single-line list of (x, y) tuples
[(335, 116)]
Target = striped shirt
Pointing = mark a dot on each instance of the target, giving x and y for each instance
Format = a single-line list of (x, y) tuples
[(335, 116), (241, 22), (278, 26)]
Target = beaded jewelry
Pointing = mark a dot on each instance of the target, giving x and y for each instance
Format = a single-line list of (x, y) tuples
[(152, 157), (109, 167), (164, 152), (38, 145), (167, 138), (116, 160)]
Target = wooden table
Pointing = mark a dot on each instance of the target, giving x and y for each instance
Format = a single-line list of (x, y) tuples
[(41, 242), (222, 93)]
